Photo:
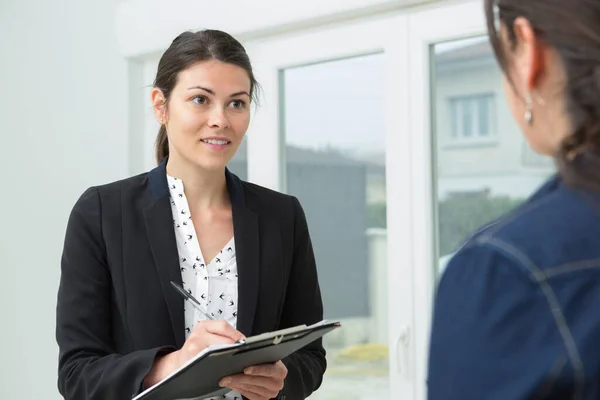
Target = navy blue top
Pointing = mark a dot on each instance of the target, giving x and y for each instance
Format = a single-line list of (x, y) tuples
[(515, 313)]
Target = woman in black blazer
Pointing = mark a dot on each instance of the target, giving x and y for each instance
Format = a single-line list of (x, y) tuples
[(121, 327)]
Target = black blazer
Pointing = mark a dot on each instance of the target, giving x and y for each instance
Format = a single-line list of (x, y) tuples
[(116, 309)]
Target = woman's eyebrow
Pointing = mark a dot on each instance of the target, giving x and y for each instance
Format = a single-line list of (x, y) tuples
[(212, 91)]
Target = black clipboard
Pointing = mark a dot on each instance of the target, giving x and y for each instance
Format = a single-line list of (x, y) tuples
[(199, 378)]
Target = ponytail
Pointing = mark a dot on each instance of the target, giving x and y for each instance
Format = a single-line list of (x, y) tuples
[(162, 144)]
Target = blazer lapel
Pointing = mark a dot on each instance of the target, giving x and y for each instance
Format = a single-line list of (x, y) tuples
[(161, 237), (163, 244), (246, 233)]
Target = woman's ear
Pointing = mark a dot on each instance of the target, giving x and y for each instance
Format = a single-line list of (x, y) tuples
[(159, 106), (530, 54)]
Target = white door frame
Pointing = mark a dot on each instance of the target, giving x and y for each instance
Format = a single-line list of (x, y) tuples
[(426, 28), (266, 141)]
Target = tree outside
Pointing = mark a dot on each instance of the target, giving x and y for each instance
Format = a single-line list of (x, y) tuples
[(460, 215)]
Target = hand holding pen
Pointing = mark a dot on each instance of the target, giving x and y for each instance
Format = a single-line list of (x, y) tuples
[(219, 328), (262, 379), (205, 333)]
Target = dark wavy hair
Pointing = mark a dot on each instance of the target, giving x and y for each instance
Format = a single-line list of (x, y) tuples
[(572, 27), (187, 49)]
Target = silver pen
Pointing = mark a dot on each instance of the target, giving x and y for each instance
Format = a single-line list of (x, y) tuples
[(191, 299)]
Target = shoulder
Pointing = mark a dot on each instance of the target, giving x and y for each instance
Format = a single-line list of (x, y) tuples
[(131, 183), (262, 193), (281, 209), (265, 199), (479, 265), (556, 229), (110, 192)]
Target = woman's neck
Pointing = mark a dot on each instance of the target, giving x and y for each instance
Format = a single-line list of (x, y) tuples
[(203, 188)]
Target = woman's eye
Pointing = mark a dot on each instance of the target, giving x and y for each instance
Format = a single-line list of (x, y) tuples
[(199, 99), (238, 104)]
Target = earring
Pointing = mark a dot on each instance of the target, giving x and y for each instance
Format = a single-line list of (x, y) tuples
[(528, 110)]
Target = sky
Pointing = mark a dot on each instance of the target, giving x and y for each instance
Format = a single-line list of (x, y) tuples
[(337, 104)]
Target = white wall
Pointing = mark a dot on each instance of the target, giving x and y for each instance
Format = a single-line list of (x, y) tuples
[(147, 26), (63, 128)]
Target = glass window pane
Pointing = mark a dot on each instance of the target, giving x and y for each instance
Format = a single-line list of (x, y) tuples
[(335, 165), (483, 117), (475, 185), (454, 110), (467, 117)]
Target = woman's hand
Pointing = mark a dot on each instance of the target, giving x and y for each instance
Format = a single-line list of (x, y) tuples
[(206, 333), (260, 382)]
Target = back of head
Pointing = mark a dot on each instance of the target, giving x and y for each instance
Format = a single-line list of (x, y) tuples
[(188, 49), (572, 28)]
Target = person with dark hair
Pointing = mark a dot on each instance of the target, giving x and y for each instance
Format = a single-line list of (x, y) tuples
[(514, 314), (242, 250)]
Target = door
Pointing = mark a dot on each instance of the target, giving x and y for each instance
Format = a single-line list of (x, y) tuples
[(328, 131)]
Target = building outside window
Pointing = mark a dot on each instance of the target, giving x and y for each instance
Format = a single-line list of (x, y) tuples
[(472, 117)]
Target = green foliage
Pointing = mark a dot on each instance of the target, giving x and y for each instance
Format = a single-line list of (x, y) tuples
[(460, 215), (376, 215)]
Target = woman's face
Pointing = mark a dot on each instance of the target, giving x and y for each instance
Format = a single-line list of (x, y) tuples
[(207, 114)]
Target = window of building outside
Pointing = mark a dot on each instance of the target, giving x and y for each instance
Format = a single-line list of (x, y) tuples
[(472, 117)]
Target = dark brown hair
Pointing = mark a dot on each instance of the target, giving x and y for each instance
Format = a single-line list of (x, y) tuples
[(187, 49), (572, 27)]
